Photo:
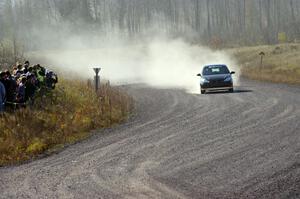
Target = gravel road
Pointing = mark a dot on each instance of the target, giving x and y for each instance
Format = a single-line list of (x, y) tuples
[(178, 145)]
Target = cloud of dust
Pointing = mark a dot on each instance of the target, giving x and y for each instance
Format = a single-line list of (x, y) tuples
[(159, 62)]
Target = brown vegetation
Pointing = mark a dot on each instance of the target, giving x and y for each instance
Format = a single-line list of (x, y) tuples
[(281, 63), (62, 116)]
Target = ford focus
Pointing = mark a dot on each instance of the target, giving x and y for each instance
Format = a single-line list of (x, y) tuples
[(215, 78)]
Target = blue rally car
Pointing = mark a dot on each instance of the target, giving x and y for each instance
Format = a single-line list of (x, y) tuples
[(216, 77)]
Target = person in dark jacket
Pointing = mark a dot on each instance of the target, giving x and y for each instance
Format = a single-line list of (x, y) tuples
[(11, 87), (30, 88), (51, 79), (25, 67), (20, 98), (2, 94)]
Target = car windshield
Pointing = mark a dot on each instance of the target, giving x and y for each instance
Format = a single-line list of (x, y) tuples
[(215, 70)]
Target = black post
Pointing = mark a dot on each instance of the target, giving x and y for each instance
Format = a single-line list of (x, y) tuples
[(262, 54), (97, 78)]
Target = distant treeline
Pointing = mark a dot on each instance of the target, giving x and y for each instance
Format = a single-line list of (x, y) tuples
[(220, 21)]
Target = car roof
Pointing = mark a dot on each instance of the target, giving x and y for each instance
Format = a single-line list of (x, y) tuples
[(212, 65)]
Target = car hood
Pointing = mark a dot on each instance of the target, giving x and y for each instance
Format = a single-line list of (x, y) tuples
[(216, 77)]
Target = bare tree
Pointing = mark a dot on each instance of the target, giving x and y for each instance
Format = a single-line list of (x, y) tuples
[(240, 21)]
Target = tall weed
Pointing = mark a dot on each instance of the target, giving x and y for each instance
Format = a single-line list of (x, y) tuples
[(62, 116)]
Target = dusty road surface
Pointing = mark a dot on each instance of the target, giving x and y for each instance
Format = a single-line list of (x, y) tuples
[(240, 145)]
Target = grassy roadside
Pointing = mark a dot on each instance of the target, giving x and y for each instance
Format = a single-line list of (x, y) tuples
[(281, 63), (63, 116)]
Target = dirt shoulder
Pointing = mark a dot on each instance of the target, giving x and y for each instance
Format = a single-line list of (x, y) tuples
[(280, 63)]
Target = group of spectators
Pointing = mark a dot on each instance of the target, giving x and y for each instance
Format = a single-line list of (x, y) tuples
[(19, 86)]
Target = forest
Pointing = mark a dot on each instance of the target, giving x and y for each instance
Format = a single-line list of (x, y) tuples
[(227, 22)]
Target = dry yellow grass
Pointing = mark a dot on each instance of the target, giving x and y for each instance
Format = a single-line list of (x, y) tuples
[(63, 116), (281, 63)]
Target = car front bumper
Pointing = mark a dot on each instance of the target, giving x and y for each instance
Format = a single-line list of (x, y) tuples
[(211, 86)]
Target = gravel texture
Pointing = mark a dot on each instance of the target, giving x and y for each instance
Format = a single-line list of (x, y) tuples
[(178, 145)]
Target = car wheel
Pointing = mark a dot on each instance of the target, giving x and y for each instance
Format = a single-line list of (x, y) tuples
[(202, 91), (231, 90)]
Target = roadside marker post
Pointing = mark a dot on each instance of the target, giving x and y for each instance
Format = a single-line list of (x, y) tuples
[(97, 78), (261, 54)]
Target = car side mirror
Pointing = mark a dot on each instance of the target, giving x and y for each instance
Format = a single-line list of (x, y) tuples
[(199, 75), (232, 73)]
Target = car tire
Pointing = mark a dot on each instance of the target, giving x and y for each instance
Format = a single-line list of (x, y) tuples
[(231, 90), (202, 91)]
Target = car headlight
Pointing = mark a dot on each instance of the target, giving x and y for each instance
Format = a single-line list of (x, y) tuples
[(203, 80), (228, 79)]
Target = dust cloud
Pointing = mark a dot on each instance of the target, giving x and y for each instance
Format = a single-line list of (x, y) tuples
[(159, 62)]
